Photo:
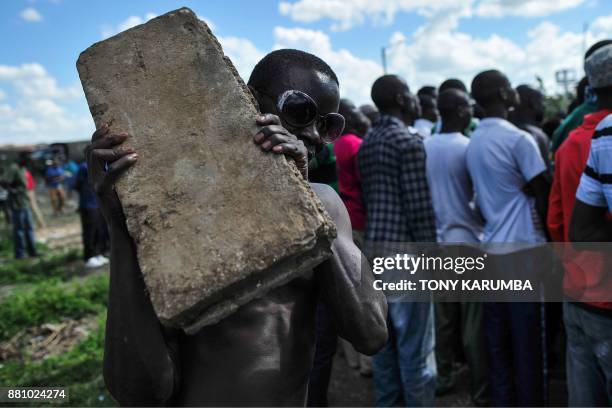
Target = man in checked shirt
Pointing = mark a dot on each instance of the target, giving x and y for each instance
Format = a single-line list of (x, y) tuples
[(399, 211)]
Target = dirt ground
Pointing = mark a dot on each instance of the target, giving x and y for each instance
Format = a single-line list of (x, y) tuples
[(349, 389)]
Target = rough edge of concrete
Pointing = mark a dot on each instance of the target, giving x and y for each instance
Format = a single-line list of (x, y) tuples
[(279, 274)]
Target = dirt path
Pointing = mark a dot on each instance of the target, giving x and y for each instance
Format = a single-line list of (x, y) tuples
[(61, 236)]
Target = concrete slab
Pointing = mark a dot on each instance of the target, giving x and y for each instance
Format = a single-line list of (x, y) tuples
[(217, 222)]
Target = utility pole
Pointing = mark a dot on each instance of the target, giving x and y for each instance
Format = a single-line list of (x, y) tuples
[(565, 78), (585, 30), (383, 56)]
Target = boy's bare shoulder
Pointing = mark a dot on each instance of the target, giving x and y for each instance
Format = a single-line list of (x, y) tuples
[(330, 200)]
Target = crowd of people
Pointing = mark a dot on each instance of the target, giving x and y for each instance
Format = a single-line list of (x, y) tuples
[(22, 212), (456, 167), (445, 165)]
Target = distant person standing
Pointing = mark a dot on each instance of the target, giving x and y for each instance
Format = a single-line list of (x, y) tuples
[(399, 210), (71, 169), (528, 116), (4, 203), (346, 148), (23, 231), (31, 189), (54, 176), (371, 112), (457, 222), (93, 227), (429, 115), (454, 83), (503, 160)]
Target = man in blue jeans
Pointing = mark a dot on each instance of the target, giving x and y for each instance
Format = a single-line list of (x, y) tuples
[(23, 233), (399, 210)]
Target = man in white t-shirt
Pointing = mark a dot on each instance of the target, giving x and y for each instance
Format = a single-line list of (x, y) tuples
[(504, 163), (457, 221)]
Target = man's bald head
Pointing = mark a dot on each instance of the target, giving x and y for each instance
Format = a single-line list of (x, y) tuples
[(370, 111), (392, 96), (452, 83), (492, 88), (385, 90), (451, 99), (532, 100), (455, 107)]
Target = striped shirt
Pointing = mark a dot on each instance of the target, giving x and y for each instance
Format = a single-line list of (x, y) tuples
[(596, 182)]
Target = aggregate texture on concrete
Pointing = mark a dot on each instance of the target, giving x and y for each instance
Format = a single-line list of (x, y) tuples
[(216, 221)]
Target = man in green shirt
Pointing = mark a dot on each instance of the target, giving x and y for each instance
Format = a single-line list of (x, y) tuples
[(23, 232), (571, 122)]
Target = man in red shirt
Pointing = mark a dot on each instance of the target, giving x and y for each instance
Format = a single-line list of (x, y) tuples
[(31, 191), (349, 181), (570, 161), (349, 185), (584, 279)]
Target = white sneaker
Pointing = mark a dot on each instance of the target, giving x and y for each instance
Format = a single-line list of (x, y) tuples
[(102, 260), (92, 263)]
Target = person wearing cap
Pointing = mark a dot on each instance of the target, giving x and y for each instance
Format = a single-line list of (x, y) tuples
[(575, 118), (588, 310)]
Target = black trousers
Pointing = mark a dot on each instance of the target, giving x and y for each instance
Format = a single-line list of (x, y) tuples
[(94, 232)]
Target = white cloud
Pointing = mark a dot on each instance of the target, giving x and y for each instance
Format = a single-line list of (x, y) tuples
[(436, 53), (349, 13), (131, 21), (602, 24), (523, 8), (346, 14), (355, 74), (38, 109), (33, 81), (31, 15), (243, 53)]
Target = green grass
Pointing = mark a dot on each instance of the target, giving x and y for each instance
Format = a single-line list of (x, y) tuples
[(51, 265), (47, 292), (6, 245), (50, 301), (80, 370)]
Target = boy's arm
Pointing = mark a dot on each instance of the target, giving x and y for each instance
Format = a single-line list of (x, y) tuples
[(138, 366), (346, 282)]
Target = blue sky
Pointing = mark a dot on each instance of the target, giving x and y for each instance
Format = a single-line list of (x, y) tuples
[(41, 99)]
